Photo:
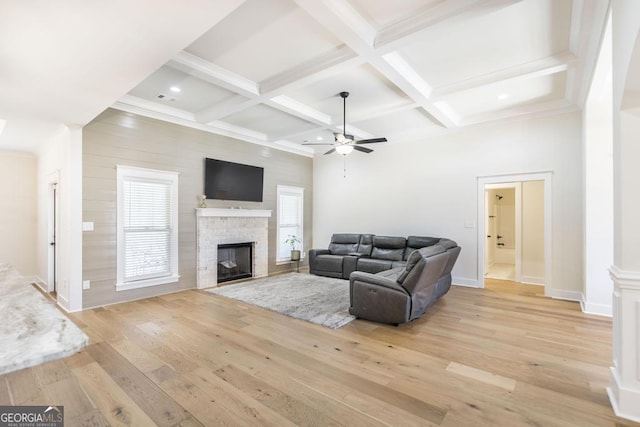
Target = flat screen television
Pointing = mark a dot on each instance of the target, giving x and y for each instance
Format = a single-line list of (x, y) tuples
[(232, 181)]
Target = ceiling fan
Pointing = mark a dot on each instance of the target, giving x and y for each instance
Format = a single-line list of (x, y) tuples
[(345, 143)]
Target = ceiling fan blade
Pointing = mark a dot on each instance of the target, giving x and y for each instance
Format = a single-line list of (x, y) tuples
[(371, 141), (317, 143), (363, 149), (330, 151)]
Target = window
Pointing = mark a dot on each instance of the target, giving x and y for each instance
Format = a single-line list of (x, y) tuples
[(290, 214), (147, 222)]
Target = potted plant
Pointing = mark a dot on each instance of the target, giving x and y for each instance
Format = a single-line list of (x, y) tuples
[(293, 240)]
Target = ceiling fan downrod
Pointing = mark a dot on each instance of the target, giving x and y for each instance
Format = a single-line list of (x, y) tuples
[(344, 113)]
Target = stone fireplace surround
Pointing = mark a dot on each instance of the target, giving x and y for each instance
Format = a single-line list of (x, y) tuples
[(218, 226)]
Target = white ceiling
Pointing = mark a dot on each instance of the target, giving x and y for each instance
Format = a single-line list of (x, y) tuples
[(270, 71)]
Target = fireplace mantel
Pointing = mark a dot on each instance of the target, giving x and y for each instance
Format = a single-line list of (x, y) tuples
[(230, 212)]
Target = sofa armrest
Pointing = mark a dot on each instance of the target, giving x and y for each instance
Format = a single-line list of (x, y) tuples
[(374, 279), (378, 298), (313, 253)]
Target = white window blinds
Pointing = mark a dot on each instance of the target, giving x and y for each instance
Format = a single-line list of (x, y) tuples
[(290, 215), (147, 227)]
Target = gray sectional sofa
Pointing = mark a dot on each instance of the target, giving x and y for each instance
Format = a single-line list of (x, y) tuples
[(349, 252), (392, 279)]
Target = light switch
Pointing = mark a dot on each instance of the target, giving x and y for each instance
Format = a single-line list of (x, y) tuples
[(86, 284), (87, 226)]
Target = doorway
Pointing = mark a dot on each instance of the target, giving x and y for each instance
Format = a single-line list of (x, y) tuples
[(514, 229)]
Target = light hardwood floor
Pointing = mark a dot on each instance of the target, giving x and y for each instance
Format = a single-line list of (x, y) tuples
[(500, 356)]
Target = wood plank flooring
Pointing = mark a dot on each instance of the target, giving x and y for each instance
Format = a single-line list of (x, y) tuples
[(499, 356)]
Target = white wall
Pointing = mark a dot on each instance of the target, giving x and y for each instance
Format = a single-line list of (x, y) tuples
[(430, 188), (18, 211), (533, 232)]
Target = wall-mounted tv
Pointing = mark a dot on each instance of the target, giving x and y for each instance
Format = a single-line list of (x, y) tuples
[(232, 181)]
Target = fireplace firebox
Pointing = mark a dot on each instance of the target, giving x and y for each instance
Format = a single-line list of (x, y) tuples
[(235, 261)]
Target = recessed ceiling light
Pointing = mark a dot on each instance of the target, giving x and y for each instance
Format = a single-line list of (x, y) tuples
[(175, 89), (319, 138), (503, 96)]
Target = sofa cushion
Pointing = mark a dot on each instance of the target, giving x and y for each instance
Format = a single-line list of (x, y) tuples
[(373, 265), (366, 244), (421, 241), (344, 243), (417, 242), (447, 243), (388, 248), (416, 256), (392, 274)]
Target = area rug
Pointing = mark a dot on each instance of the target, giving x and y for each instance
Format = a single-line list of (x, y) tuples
[(32, 329), (316, 299)]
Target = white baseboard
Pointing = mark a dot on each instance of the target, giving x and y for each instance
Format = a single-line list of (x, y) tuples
[(470, 283), (623, 400), (566, 295), (593, 308), (532, 280)]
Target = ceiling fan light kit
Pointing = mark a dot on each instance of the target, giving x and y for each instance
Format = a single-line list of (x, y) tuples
[(344, 149), (345, 143)]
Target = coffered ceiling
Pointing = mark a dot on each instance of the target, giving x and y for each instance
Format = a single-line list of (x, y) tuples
[(270, 72)]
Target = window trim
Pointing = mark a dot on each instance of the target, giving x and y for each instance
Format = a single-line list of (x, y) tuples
[(127, 172), (294, 191)]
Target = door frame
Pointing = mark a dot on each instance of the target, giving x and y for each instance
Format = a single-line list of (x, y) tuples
[(546, 177), (53, 223)]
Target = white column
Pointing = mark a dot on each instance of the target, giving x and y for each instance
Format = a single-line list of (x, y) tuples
[(598, 186), (624, 389)]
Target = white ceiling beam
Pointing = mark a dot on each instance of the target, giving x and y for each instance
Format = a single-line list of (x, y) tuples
[(396, 69), (339, 17), (530, 111), (171, 115), (349, 28), (238, 130), (226, 108), (215, 74), (411, 28), (542, 67), (382, 112), (295, 147), (316, 69), (291, 106), (250, 92), (588, 24), (297, 135), (136, 103)]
